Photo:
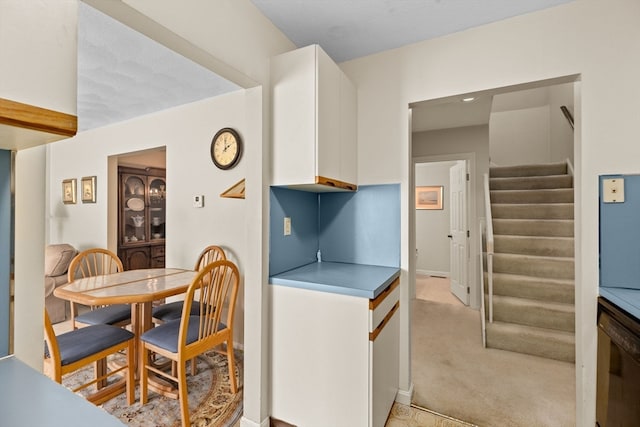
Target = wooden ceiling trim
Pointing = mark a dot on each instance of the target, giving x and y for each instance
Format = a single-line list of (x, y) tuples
[(27, 116)]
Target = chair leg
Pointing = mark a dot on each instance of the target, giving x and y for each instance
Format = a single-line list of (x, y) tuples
[(131, 379), (183, 395), (143, 375), (232, 367), (100, 370), (193, 366)]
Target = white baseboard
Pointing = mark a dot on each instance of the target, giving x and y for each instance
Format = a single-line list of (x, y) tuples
[(404, 396), (433, 273), (244, 422)]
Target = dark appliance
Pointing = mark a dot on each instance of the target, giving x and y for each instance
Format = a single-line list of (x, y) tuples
[(618, 375)]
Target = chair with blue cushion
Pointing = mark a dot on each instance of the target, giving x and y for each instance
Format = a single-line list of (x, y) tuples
[(185, 338), (78, 348), (173, 310), (93, 262)]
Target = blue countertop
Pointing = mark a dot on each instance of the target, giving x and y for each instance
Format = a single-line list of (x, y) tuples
[(626, 299), (358, 280), (31, 399)]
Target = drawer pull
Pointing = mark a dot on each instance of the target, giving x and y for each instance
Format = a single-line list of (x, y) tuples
[(373, 335), (373, 303)]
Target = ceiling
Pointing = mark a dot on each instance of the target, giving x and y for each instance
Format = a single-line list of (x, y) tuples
[(123, 74)]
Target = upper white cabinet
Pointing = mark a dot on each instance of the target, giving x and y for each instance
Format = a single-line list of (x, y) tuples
[(314, 122)]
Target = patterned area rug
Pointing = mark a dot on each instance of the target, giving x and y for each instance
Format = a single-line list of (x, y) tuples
[(211, 402), (413, 416)]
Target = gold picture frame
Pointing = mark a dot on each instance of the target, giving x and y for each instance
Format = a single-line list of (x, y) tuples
[(69, 191), (429, 197), (88, 188)]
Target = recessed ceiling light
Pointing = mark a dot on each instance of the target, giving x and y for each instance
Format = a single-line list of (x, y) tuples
[(469, 99)]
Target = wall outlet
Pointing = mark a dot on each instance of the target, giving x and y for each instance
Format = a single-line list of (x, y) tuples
[(613, 190), (198, 201), (287, 226)]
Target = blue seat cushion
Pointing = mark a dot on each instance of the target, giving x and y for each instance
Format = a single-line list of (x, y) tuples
[(173, 310), (166, 335), (80, 343), (108, 315)]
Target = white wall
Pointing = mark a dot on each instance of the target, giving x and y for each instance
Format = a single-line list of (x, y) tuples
[(528, 127), (520, 136), (38, 53), (186, 132), (432, 225), (515, 51)]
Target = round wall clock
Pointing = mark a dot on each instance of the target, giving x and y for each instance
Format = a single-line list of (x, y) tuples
[(226, 148)]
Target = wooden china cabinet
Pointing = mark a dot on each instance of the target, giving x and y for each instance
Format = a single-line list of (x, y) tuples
[(141, 217)]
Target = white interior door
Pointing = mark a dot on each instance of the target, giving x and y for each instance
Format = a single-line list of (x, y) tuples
[(458, 234)]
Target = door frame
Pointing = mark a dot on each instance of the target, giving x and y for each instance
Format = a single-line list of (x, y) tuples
[(472, 220)]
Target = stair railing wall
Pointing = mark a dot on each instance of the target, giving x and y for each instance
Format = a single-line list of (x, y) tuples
[(489, 244), (483, 315)]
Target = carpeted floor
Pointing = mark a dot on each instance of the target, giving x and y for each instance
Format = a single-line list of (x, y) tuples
[(454, 375), (210, 398)]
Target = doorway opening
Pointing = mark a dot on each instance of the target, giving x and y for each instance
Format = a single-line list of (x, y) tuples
[(458, 376), (137, 226)]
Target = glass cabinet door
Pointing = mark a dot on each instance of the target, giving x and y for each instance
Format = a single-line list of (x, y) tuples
[(134, 209), (157, 207)]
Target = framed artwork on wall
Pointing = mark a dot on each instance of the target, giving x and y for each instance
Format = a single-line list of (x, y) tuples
[(88, 189), (69, 191), (429, 197)]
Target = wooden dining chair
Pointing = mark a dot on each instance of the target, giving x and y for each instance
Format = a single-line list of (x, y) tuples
[(185, 338), (173, 310), (78, 348), (93, 262)]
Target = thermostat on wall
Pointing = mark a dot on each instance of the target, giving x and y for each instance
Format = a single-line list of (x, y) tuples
[(198, 201)]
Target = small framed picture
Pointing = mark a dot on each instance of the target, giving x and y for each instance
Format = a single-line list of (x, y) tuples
[(88, 189), (69, 191), (429, 197)]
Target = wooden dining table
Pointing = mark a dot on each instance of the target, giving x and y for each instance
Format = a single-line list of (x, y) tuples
[(140, 288)]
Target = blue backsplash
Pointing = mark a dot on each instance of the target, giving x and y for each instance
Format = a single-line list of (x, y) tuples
[(620, 236), (361, 227)]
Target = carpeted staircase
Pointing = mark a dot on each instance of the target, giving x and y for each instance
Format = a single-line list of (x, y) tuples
[(533, 262)]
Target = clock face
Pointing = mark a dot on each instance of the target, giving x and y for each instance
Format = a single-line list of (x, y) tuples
[(226, 148)]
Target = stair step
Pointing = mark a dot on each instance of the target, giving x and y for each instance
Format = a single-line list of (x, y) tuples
[(548, 195), (534, 245), (531, 182), (536, 266), (534, 227), (541, 314), (538, 288), (529, 170), (541, 342), (532, 211)]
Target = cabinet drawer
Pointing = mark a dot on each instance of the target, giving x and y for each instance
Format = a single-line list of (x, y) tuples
[(380, 307), (157, 251)]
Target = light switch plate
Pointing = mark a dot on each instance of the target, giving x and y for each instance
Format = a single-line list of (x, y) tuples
[(287, 226), (613, 190)]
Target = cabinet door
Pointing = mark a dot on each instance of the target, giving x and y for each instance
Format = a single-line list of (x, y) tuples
[(134, 212), (328, 118), (384, 361), (136, 258), (348, 131), (293, 83), (157, 207)]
